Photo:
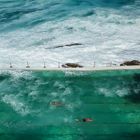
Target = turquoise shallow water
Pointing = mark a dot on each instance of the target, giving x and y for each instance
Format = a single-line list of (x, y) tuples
[(111, 99)]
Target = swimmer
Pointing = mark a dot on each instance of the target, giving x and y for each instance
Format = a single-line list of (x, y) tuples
[(87, 120), (84, 120), (56, 103)]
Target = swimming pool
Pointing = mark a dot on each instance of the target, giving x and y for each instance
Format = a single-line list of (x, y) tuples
[(110, 98)]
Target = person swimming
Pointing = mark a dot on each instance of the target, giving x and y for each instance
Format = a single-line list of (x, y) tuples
[(87, 120), (56, 103), (84, 120)]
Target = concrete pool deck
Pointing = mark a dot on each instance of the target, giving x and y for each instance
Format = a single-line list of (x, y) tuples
[(76, 69)]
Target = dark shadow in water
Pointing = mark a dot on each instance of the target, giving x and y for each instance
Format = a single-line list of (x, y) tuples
[(20, 137), (36, 136), (28, 137), (117, 136), (4, 77), (120, 136), (134, 88)]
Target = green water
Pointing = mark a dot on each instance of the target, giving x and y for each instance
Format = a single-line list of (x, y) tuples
[(111, 99)]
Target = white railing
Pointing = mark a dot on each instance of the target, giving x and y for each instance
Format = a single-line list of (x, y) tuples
[(106, 66), (59, 65)]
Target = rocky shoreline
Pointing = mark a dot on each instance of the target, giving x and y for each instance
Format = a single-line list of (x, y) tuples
[(65, 45), (76, 65), (130, 63), (71, 65)]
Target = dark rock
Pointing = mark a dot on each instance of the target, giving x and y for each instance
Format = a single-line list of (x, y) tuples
[(66, 45), (71, 65), (73, 44), (130, 63), (60, 46)]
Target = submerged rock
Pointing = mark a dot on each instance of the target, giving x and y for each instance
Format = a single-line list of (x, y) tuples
[(73, 44), (66, 45), (88, 13), (71, 65), (130, 63)]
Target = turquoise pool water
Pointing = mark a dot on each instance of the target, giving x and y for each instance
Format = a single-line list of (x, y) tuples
[(110, 98)]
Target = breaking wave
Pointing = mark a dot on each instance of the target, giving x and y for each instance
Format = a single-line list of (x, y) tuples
[(106, 30)]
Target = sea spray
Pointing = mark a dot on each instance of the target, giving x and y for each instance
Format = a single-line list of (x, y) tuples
[(28, 28)]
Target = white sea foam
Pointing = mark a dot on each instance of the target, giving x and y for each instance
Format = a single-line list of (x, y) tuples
[(54, 94), (121, 92), (67, 91), (103, 39), (17, 74), (70, 107), (16, 104), (73, 73), (34, 95), (59, 85), (107, 35), (104, 91)]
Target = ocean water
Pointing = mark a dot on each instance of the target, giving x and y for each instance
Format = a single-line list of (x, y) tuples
[(44, 30), (30, 30), (110, 98)]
